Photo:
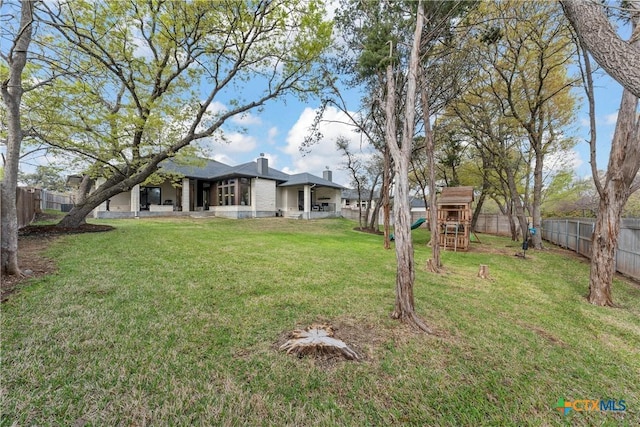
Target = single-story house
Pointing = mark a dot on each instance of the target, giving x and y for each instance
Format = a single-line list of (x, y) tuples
[(249, 190), (350, 198)]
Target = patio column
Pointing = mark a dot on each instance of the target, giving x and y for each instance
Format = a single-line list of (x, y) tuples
[(185, 194), (307, 201), (135, 199)]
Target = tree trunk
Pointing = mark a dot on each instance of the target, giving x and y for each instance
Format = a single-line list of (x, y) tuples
[(401, 154), (115, 185), (12, 91), (604, 242), (480, 203), (430, 154), (483, 272), (536, 214), (622, 170), (624, 162), (375, 214), (386, 203), (517, 204)]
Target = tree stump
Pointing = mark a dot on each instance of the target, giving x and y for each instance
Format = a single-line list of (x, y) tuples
[(483, 273), (317, 340)]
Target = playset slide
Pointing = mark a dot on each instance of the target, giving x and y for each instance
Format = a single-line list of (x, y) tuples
[(415, 225)]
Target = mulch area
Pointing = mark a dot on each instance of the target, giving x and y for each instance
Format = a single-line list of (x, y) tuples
[(33, 240)]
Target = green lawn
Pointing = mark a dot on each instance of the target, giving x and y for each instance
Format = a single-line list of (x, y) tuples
[(178, 322)]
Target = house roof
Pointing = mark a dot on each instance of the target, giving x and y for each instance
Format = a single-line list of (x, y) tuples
[(308, 179), (352, 194), (250, 170), (213, 170), (455, 195), (417, 203), (199, 168)]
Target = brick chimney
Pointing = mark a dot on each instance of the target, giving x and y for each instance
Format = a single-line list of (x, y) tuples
[(327, 174), (263, 165)]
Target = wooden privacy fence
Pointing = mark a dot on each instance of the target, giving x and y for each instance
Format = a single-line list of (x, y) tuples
[(30, 201), (575, 234), (493, 224), (27, 204)]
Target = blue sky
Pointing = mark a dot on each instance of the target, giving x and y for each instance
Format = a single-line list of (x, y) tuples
[(279, 130), (280, 127)]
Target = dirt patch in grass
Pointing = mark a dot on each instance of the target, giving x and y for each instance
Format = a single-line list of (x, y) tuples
[(545, 334), (32, 262), (55, 230), (33, 240)]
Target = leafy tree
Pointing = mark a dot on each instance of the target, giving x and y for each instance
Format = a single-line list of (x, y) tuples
[(621, 178), (632, 208), (522, 50), (497, 144), (354, 165), (47, 177), (161, 72), (566, 195), (14, 57), (529, 63), (368, 30)]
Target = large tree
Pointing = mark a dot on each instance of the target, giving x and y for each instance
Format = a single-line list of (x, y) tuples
[(620, 179), (15, 59), (166, 74), (401, 150), (618, 57), (529, 61)]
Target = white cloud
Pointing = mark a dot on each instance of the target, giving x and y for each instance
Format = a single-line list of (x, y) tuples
[(246, 119), (611, 119), (324, 152), (562, 160), (271, 136), (223, 158), (236, 142)]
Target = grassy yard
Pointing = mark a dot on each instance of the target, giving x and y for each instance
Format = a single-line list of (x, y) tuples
[(178, 322)]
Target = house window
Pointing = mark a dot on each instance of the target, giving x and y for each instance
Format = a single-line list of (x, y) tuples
[(236, 191), (149, 196), (245, 191)]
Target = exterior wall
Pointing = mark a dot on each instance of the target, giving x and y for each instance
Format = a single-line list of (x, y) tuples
[(168, 192), (122, 202), (289, 199), (329, 196), (149, 214), (234, 211), (267, 200), (119, 203), (263, 197)]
